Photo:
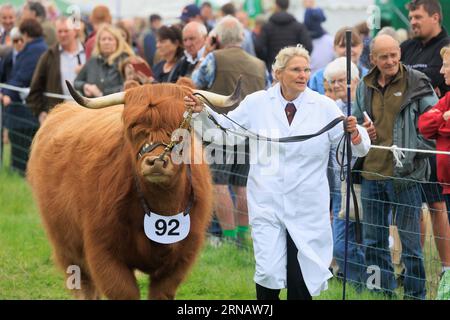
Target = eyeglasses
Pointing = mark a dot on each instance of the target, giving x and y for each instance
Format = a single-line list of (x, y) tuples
[(337, 81), (299, 70), (16, 40)]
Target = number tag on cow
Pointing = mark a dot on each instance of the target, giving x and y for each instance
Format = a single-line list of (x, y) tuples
[(167, 229)]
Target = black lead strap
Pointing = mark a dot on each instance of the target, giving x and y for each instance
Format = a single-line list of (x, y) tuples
[(252, 135), (298, 138)]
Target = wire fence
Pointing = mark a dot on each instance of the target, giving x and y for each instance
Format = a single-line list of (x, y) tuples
[(19, 127), (18, 119), (405, 223)]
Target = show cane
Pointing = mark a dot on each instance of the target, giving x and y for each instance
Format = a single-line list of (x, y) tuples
[(348, 44)]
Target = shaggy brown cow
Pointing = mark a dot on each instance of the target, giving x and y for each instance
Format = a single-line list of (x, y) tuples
[(89, 182)]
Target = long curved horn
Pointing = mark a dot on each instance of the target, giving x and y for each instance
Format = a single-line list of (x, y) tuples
[(223, 101), (96, 103)]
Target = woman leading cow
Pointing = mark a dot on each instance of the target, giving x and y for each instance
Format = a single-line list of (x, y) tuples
[(289, 206)]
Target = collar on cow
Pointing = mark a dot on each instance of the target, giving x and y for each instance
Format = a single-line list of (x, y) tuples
[(146, 207)]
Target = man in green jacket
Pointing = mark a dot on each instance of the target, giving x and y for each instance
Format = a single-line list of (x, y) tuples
[(394, 96)]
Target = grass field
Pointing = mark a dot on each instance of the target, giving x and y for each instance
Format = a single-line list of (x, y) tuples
[(27, 270)]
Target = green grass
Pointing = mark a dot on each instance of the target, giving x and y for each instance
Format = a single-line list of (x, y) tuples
[(27, 270)]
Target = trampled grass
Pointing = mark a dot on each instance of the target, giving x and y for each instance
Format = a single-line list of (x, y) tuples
[(27, 270)]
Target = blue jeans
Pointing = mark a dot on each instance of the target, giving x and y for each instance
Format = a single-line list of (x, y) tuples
[(356, 268), (447, 202), (378, 197)]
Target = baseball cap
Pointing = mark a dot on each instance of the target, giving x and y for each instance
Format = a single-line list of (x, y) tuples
[(190, 11)]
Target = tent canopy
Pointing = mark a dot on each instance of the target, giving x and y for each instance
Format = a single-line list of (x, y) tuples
[(61, 5)]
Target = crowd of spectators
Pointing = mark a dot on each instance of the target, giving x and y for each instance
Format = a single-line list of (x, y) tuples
[(395, 81)]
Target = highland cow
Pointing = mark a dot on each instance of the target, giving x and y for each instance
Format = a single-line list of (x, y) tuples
[(98, 176)]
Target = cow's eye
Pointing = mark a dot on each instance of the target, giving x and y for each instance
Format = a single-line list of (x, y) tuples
[(140, 135)]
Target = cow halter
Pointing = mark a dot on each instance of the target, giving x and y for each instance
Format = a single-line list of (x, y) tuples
[(185, 124), (149, 147), (172, 228)]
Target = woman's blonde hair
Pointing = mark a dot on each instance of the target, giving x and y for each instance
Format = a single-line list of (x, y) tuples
[(122, 46), (445, 51), (286, 54)]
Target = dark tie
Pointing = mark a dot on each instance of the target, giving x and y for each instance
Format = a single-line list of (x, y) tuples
[(290, 112)]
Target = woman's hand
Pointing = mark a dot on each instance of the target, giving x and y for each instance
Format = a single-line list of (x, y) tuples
[(142, 78), (351, 125), (191, 102), (87, 90), (91, 90), (96, 92), (352, 128)]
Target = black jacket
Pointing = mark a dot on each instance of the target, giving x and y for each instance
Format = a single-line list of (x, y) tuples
[(280, 31), (426, 58), (6, 66)]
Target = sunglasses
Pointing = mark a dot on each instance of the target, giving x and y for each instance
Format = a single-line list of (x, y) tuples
[(17, 40)]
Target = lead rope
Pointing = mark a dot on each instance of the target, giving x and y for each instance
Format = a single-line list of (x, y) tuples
[(252, 135), (185, 124)]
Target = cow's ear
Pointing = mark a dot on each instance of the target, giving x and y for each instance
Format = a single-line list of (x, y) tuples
[(130, 84), (184, 81)]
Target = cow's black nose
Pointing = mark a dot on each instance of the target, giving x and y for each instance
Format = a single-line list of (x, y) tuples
[(151, 161)]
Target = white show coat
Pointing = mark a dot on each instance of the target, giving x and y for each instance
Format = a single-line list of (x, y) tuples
[(289, 189)]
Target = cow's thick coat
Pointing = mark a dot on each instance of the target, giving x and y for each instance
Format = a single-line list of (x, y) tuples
[(82, 170)]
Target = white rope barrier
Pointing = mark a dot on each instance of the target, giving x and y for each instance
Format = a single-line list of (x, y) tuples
[(395, 148), (26, 91), (396, 151)]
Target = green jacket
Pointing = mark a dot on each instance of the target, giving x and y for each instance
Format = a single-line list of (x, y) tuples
[(418, 98)]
